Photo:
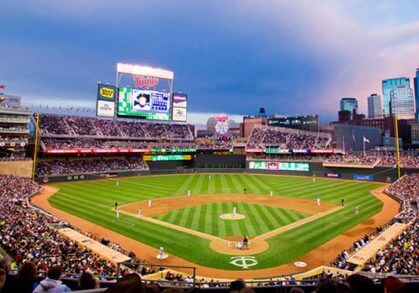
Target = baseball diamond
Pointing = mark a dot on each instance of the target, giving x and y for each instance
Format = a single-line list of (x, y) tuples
[(94, 200)]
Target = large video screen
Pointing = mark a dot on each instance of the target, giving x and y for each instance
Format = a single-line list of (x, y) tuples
[(147, 104), (275, 166)]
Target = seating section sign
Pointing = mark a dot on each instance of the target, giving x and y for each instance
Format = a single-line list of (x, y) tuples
[(279, 166)]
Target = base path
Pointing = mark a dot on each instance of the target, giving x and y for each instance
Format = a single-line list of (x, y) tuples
[(319, 256)]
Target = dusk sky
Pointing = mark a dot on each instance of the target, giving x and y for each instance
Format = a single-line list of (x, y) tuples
[(291, 57)]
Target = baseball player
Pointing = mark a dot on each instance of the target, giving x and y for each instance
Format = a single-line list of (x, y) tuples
[(140, 212), (318, 201), (150, 203)]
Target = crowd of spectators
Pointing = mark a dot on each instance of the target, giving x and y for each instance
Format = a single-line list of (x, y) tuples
[(286, 138), (87, 126), (401, 255), (29, 235), (286, 157), (89, 166), (67, 143), (352, 159)]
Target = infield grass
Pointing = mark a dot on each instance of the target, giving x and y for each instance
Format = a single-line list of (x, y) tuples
[(258, 219), (93, 201)]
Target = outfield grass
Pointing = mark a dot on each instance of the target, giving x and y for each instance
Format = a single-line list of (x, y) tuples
[(93, 200), (259, 219)]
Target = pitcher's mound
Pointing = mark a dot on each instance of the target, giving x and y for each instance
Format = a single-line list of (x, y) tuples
[(232, 216)]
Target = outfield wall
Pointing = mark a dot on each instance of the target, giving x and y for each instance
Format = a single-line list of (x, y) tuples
[(380, 174)]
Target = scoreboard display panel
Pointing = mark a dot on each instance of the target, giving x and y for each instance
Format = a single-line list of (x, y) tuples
[(279, 166), (146, 104)]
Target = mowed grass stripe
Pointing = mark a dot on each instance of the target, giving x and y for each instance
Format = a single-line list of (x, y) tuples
[(248, 229), (222, 226)]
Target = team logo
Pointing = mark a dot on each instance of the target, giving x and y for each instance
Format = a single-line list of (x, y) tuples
[(145, 81), (243, 261), (107, 92)]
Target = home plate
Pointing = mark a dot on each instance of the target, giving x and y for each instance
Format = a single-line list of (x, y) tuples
[(300, 264)]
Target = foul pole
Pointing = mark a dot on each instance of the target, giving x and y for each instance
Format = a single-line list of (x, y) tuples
[(36, 146), (396, 133)]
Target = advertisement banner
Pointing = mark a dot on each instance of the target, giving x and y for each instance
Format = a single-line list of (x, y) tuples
[(106, 92), (332, 175), (105, 108), (180, 100), (279, 166), (179, 114), (363, 177)]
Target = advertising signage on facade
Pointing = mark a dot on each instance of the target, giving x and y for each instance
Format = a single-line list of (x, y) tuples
[(106, 92), (278, 166), (309, 122)]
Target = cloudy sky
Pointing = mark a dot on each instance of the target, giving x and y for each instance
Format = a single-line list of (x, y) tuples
[(291, 57)]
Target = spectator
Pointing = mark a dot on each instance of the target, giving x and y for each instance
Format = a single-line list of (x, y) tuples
[(393, 285), (26, 279), (3, 272), (87, 281), (52, 283)]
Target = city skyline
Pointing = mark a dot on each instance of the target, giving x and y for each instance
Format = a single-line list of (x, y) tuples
[(229, 57)]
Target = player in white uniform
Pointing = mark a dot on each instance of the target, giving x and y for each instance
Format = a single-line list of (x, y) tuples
[(314, 178), (318, 201), (117, 213), (117, 183), (150, 203), (357, 210), (140, 212)]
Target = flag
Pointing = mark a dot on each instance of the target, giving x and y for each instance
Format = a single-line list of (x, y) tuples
[(2, 86), (365, 139)]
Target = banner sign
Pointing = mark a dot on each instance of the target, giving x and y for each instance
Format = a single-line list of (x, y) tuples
[(254, 151), (322, 151), (95, 151), (363, 177), (167, 158), (332, 175), (276, 151), (105, 108), (106, 92), (278, 166)]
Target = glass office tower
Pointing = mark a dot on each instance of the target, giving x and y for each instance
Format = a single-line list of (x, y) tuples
[(402, 103), (390, 84), (349, 104)]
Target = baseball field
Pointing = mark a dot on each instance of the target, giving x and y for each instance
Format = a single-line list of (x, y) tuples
[(280, 214)]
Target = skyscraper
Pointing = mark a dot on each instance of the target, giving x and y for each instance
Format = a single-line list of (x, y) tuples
[(416, 87), (349, 104), (390, 84), (375, 107), (402, 103)]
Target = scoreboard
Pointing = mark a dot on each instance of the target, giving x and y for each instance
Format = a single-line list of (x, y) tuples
[(147, 104)]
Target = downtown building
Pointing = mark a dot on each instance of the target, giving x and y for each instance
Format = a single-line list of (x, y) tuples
[(402, 103), (375, 106), (349, 104), (416, 87), (387, 86)]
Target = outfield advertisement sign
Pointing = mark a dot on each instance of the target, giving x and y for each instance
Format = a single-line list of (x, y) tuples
[(332, 175), (363, 177), (167, 158), (279, 166)]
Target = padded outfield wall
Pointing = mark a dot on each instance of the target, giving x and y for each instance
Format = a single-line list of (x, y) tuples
[(380, 174)]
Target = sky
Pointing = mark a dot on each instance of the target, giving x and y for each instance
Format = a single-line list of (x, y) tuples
[(291, 57)]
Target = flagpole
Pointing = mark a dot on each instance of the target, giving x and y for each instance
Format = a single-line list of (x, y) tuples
[(363, 145)]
